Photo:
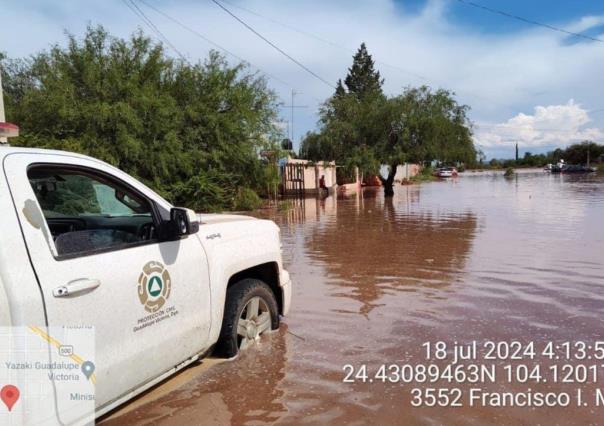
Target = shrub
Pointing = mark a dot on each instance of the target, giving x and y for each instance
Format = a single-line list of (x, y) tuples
[(191, 131), (246, 199), (203, 193)]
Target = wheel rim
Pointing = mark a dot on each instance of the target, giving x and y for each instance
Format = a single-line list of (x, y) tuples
[(254, 320)]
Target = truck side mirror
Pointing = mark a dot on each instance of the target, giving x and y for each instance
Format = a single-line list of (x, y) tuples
[(182, 222)]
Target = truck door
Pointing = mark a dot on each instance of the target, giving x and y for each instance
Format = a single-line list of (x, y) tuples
[(91, 234)]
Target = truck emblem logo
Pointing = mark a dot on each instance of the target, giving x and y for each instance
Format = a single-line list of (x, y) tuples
[(154, 285)]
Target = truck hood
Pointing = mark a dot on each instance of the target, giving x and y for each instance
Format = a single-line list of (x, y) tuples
[(222, 218), (234, 242)]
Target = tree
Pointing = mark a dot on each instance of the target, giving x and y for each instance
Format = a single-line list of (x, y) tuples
[(190, 131), (578, 153), (481, 157), (362, 78), (316, 147), (340, 91), (361, 127), (343, 144), (419, 125), (424, 125)]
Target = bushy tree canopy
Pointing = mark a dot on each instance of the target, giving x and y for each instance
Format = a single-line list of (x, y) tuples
[(580, 153), (190, 131)]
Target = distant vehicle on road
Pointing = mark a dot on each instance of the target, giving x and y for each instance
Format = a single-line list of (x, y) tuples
[(562, 167), (445, 172)]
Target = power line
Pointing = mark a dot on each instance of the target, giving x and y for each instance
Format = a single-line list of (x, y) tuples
[(196, 33), (528, 21), (138, 12), (216, 45), (219, 47), (151, 25), (323, 40), (308, 34), (301, 65)]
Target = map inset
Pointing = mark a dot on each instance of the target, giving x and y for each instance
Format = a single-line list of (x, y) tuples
[(47, 375)]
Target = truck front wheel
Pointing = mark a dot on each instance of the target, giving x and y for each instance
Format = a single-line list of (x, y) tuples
[(250, 310)]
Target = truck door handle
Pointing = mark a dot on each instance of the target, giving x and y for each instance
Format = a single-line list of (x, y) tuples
[(76, 286)]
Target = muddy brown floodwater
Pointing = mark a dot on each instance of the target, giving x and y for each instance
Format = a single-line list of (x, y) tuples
[(476, 258)]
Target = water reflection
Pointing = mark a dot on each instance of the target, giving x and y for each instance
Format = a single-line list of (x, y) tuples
[(248, 390), (381, 246)]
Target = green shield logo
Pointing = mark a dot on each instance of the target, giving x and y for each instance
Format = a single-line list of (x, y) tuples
[(155, 286)]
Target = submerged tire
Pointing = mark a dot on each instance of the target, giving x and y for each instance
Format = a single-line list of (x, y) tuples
[(250, 310)]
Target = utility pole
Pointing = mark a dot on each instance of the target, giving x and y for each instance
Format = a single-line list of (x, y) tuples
[(293, 95), (516, 153), (293, 106)]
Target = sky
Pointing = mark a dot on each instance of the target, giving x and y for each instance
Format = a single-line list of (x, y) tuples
[(525, 84)]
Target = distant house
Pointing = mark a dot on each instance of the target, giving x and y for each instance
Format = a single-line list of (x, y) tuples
[(303, 177)]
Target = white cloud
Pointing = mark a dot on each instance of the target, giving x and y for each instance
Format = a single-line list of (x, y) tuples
[(553, 125), (586, 23)]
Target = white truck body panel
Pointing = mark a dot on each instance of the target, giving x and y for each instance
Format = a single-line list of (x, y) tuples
[(131, 355)]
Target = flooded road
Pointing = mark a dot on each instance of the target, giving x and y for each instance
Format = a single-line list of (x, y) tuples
[(477, 258)]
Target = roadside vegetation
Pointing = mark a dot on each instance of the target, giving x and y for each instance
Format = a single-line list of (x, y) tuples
[(246, 199), (362, 126), (192, 132), (578, 153), (426, 174)]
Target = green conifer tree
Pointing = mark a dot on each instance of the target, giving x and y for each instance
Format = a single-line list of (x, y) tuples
[(340, 91), (362, 78)]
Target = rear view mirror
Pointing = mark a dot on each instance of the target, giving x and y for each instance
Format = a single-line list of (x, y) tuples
[(182, 222)]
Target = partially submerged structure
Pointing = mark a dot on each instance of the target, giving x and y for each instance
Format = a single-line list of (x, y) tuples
[(305, 177), (406, 171)]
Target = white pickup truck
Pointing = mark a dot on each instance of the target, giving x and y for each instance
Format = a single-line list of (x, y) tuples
[(84, 244)]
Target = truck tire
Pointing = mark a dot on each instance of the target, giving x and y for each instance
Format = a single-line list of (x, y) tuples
[(250, 310)]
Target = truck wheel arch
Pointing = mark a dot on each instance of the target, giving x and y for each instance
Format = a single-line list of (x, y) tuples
[(265, 272)]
